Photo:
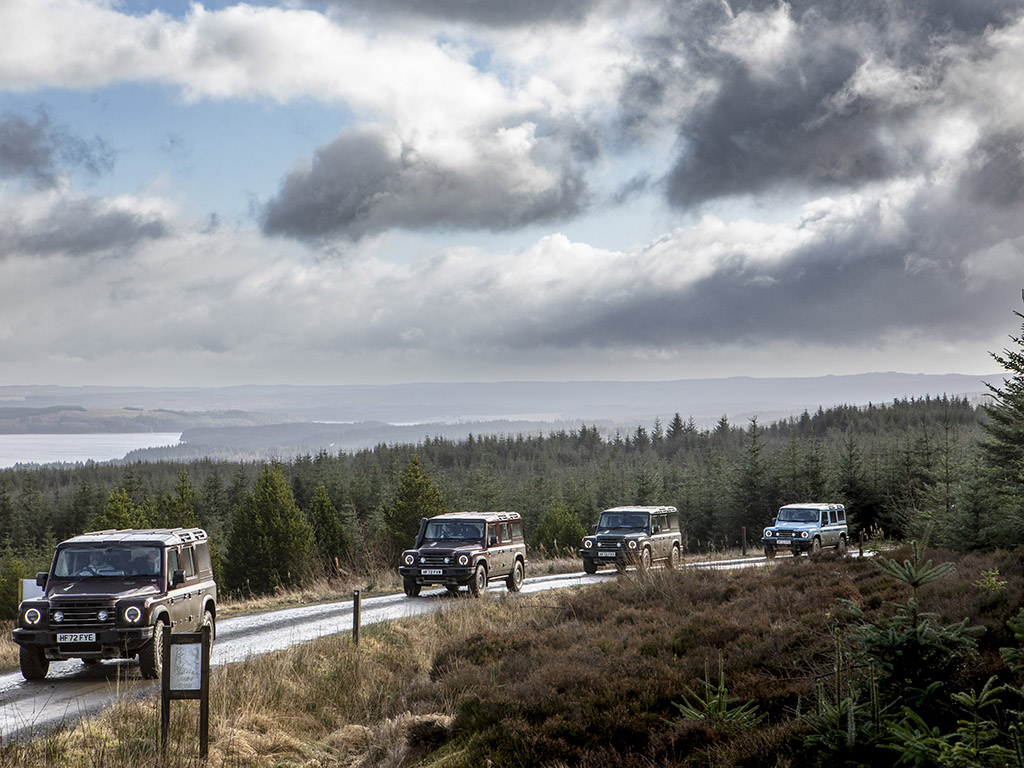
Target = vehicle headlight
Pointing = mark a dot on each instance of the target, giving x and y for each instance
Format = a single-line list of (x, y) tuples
[(33, 616), (632, 543), (804, 534), (58, 616), (768, 533), (463, 560), (588, 544), (132, 614), (102, 614), (447, 561), (409, 559)]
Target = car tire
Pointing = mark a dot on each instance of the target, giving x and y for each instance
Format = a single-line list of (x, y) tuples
[(675, 559), (816, 546), (841, 546), (589, 566), (151, 655), (769, 552), (478, 584), (514, 582), (645, 559), (412, 589), (209, 621), (34, 664)]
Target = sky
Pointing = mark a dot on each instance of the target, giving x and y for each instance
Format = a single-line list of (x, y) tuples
[(347, 191)]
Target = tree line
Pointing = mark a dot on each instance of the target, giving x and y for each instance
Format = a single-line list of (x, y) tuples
[(940, 465)]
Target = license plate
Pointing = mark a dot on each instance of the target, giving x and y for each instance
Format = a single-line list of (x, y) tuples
[(784, 541), (607, 554), (77, 637), (432, 571)]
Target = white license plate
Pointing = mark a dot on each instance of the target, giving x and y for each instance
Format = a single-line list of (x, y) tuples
[(77, 637), (607, 554), (432, 571), (787, 542)]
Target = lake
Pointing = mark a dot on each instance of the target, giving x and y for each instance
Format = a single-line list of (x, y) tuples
[(45, 449)]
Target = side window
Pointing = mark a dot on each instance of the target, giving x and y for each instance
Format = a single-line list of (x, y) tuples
[(492, 532), (506, 533), (673, 522), (517, 530), (842, 515), (188, 562), (173, 563), (203, 556)]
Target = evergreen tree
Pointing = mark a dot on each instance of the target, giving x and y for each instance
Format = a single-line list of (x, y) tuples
[(271, 545), (417, 497), (177, 509), (559, 531), (120, 511), (329, 536), (1002, 449)]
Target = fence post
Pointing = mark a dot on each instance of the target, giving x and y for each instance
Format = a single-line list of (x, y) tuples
[(860, 537), (357, 610), (743, 548)]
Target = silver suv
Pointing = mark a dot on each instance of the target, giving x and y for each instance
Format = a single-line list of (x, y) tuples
[(633, 536), (803, 528)]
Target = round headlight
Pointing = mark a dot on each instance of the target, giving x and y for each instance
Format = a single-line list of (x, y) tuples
[(132, 614), (587, 543), (102, 615), (58, 616), (803, 534), (33, 616), (632, 544), (768, 533), (463, 560), (409, 559)]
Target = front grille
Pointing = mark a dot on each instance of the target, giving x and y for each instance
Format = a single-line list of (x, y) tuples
[(609, 544), (433, 558), (786, 535), (83, 615)]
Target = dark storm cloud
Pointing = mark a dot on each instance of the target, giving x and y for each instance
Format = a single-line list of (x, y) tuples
[(39, 151), (794, 123), (357, 186), (82, 227), (493, 13)]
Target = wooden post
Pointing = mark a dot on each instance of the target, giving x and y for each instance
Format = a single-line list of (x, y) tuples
[(357, 610), (186, 676), (860, 537), (743, 548)]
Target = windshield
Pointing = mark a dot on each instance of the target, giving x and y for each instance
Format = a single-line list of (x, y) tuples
[(797, 516), (615, 521), (462, 530), (85, 562)]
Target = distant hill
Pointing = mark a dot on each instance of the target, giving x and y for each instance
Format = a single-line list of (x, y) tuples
[(533, 401)]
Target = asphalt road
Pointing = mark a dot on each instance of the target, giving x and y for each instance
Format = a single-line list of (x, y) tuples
[(73, 690)]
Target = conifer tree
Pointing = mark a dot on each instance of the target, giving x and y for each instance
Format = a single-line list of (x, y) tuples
[(1002, 449), (120, 511), (329, 535), (417, 497), (270, 545)]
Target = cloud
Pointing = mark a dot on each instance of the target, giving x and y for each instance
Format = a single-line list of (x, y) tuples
[(40, 152), (366, 181), (61, 222), (496, 13)]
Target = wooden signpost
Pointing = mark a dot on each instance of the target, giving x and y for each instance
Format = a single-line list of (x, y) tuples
[(186, 675)]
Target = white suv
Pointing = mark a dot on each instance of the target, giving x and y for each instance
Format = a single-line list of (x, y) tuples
[(807, 528)]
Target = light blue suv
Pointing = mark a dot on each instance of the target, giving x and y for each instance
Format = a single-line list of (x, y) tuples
[(803, 528)]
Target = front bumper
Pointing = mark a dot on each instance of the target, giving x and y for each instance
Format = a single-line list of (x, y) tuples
[(110, 643), (449, 575), (796, 545)]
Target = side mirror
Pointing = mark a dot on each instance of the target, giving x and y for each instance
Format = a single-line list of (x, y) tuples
[(593, 528), (41, 578), (177, 577)]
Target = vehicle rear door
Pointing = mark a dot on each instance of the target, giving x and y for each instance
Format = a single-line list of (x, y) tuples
[(181, 598)]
